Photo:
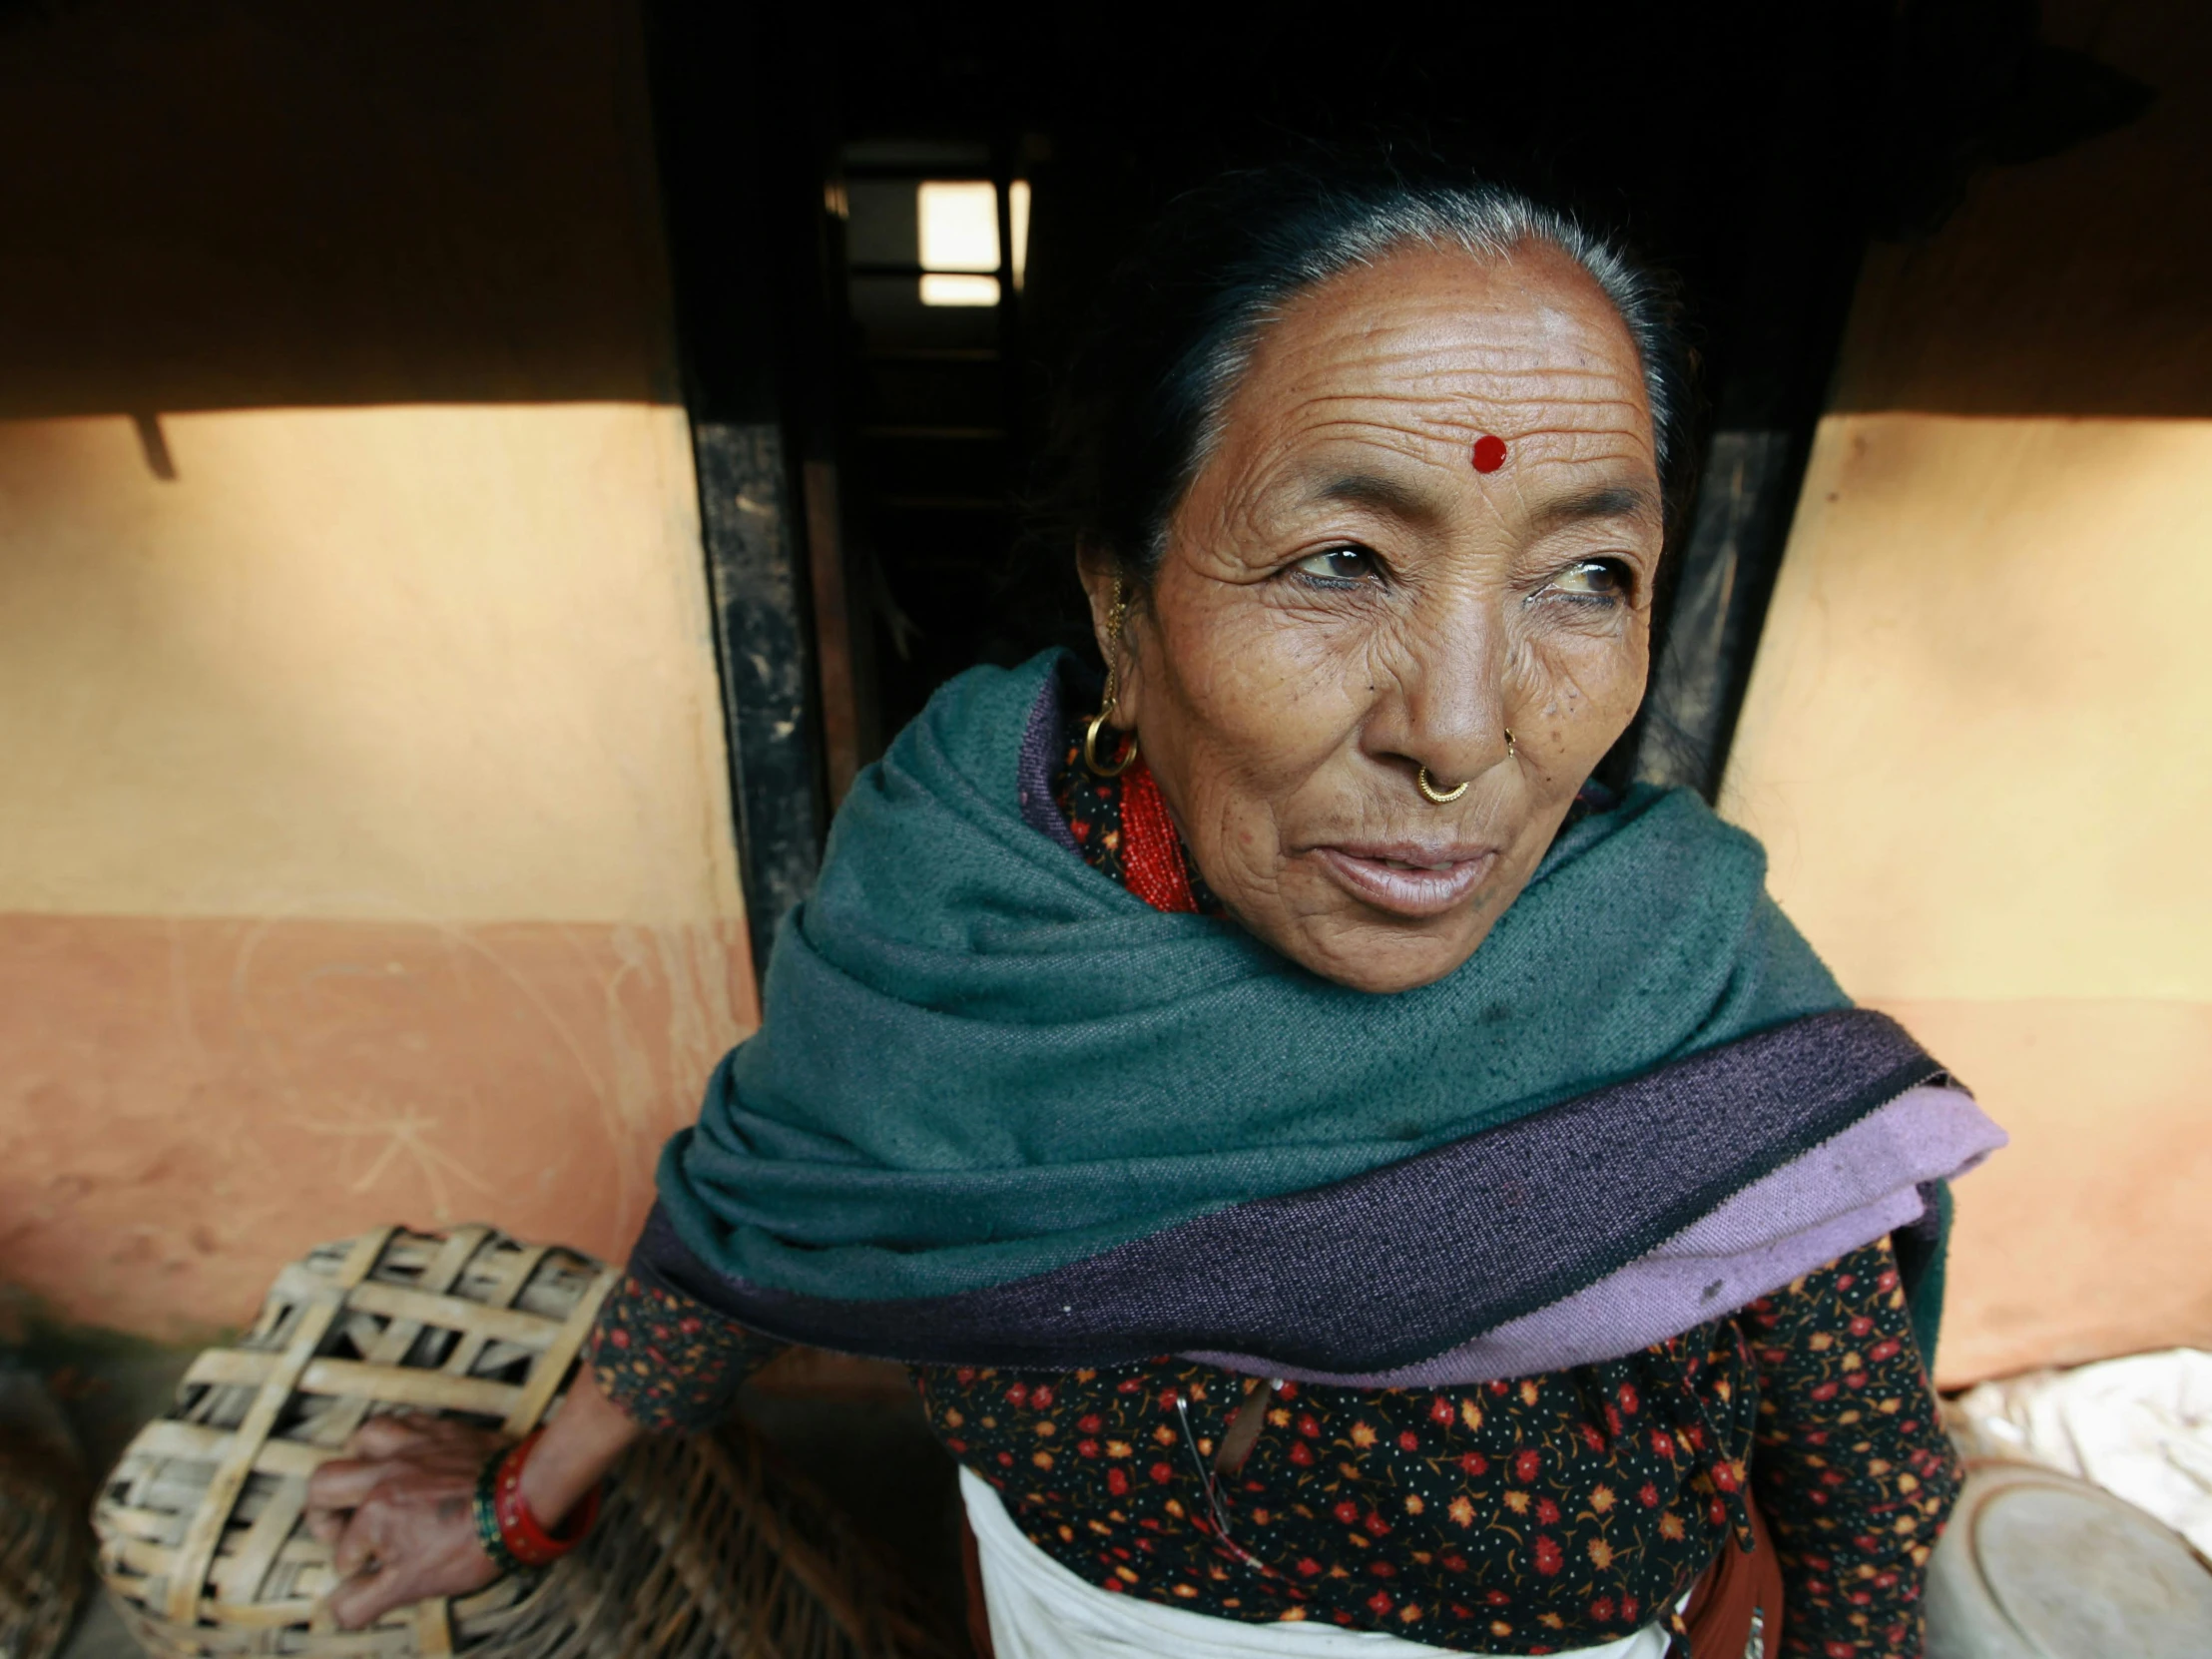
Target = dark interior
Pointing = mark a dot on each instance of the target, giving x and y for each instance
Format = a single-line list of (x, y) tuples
[(1750, 149)]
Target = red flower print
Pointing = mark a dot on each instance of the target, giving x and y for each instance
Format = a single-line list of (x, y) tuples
[(1497, 1599), (1376, 1524), (1129, 1386), (964, 1375), (1018, 1395), (1309, 1567), (1628, 1609), (619, 1337), (1473, 1462), (1289, 1390), (1648, 1495), (1302, 1454), (1439, 1412), (1382, 1569), (691, 1327), (1162, 1474), (1455, 1562), (1887, 1348), (1006, 1459), (1408, 1441), (1845, 1281), (1348, 1512), (1380, 1603), (1860, 1325), (1088, 1448), (1090, 1422), (1593, 1438), (1117, 1482), (1602, 1610), (1549, 1558), (1041, 1397), (1662, 1445), (1524, 1466), (1627, 1397), (1308, 1425), (1547, 1512)]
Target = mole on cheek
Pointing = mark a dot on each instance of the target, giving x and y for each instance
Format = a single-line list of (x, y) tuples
[(1489, 453)]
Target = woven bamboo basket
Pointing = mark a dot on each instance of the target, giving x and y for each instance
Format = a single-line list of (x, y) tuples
[(704, 1547), (42, 1556), (202, 1536)]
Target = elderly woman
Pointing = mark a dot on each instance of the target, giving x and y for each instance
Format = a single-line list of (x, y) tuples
[(1344, 1181)]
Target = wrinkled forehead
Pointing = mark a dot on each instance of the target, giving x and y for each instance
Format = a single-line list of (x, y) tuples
[(1425, 348)]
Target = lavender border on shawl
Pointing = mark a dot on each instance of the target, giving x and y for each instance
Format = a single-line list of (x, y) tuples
[(1040, 753), (1844, 1194), (1403, 1262)]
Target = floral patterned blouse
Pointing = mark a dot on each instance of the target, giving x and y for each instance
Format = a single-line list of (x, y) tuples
[(1518, 1516)]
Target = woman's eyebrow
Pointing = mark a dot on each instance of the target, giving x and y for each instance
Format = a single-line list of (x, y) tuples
[(1607, 501), (1367, 490)]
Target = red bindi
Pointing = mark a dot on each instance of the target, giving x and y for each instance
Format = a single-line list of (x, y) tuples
[(1489, 453)]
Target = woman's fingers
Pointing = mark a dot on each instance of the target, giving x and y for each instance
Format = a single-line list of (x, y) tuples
[(368, 1597), (361, 1543), (343, 1483), (391, 1434)]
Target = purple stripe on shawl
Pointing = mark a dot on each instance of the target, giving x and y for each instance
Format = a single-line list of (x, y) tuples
[(1403, 1263), (1040, 753), (1845, 1193)]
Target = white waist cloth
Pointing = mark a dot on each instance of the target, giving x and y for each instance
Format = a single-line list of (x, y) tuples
[(1041, 1610)]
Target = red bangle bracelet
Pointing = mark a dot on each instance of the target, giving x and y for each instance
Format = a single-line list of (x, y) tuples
[(526, 1540)]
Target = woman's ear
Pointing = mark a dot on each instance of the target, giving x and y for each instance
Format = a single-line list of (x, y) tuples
[(1113, 600)]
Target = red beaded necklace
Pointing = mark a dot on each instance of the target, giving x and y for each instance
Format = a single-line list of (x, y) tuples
[(1151, 850)]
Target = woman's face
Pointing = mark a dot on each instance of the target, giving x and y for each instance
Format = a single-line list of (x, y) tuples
[(1347, 598)]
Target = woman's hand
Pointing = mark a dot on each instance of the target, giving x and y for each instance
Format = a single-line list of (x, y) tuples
[(399, 1509), (399, 1513)]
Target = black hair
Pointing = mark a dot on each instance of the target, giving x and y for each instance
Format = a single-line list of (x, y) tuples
[(1177, 323)]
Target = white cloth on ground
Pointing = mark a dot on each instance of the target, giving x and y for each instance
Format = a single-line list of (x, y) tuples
[(2140, 1427), (1041, 1610)]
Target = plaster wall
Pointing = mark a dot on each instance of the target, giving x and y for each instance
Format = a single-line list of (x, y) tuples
[(365, 847), (1978, 740)]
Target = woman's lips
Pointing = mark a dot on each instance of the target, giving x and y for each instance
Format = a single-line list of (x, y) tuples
[(1409, 879)]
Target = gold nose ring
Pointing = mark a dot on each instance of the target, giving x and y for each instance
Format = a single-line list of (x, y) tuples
[(1432, 795), (1439, 798)]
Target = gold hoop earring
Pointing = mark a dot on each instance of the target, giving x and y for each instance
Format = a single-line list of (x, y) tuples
[(1432, 795), (1511, 751), (1121, 761)]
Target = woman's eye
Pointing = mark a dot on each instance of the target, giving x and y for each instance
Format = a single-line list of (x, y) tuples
[(1601, 579), (1340, 566)]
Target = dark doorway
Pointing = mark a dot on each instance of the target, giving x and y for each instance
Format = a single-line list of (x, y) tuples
[(941, 188)]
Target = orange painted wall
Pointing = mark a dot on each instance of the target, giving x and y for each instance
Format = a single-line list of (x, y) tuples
[(1978, 737), (366, 849)]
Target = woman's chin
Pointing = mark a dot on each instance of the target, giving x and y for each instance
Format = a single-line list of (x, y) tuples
[(1365, 951)]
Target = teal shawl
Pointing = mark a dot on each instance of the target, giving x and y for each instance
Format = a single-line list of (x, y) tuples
[(981, 1059)]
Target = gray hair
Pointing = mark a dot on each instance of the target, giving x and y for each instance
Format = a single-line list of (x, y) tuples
[(1178, 325)]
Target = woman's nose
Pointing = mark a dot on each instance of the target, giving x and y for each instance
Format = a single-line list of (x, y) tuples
[(1450, 713)]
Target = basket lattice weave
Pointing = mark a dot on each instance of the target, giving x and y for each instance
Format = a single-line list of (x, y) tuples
[(201, 1531), (704, 1547)]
